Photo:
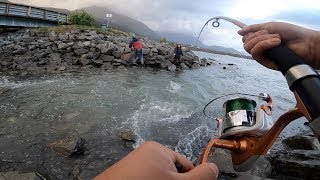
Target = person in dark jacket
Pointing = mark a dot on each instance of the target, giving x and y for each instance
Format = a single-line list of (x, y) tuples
[(177, 55), (137, 46)]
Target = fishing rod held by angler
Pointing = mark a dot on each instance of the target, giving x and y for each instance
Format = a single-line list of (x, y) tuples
[(216, 24), (245, 144)]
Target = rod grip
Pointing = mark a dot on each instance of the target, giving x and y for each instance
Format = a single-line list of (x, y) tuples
[(307, 88), (284, 58)]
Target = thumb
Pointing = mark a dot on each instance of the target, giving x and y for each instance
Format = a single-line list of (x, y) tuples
[(204, 171)]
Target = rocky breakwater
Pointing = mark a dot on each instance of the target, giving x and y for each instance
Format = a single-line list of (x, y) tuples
[(38, 51)]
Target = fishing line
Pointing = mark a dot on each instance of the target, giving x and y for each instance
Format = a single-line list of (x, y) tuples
[(232, 94)]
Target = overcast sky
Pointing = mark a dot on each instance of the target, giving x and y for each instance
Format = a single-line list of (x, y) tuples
[(188, 16)]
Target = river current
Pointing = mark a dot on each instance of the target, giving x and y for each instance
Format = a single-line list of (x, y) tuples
[(157, 105)]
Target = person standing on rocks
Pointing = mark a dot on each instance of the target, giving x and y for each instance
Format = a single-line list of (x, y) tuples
[(177, 55), (137, 46)]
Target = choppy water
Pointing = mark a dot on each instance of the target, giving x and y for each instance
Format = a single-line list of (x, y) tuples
[(157, 105)]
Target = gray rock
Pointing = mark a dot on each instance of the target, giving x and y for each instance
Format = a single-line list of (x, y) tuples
[(184, 66), (222, 158), (107, 51), (120, 61), (62, 68), (304, 164), (195, 66), (97, 63), (69, 146), (172, 67), (146, 51), (15, 175), (17, 47), (154, 50), (302, 143), (32, 47), (165, 64), (127, 135), (89, 55), (20, 51), (55, 57), (84, 62), (107, 66), (62, 46), (106, 58), (126, 57), (80, 52), (86, 43), (42, 63)]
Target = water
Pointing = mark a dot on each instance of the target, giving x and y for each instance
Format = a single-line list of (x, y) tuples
[(158, 105)]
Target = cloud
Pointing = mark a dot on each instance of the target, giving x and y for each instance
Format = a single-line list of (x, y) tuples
[(188, 16)]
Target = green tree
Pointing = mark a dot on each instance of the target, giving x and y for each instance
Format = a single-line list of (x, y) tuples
[(163, 40), (81, 17)]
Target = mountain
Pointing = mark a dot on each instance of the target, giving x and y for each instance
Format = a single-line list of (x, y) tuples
[(190, 40), (122, 22)]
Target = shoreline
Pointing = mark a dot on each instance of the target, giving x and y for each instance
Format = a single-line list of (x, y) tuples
[(45, 50)]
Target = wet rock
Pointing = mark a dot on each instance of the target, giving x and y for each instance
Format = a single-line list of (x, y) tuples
[(222, 158), (304, 164), (127, 135), (302, 143), (70, 146), (172, 67), (184, 66), (75, 173), (195, 66), (15, 175), (165, 64)]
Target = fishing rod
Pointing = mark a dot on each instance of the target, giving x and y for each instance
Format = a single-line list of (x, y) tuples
[(247, 130)]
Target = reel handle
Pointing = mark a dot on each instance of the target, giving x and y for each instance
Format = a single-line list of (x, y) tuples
[(302, 79)]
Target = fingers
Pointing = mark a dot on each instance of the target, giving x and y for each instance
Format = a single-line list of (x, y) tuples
[(254, 39), (258, 49), (186, 164), (207, 171), (251, 28)]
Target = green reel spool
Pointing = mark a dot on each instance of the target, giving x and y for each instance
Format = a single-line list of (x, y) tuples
[(240, 104)]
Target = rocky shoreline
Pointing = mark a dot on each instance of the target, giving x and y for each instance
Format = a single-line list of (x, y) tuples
[(34, 51)]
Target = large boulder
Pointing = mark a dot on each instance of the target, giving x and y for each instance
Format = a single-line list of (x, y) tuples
[(127, 57), (303, 164), (302, 143)]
